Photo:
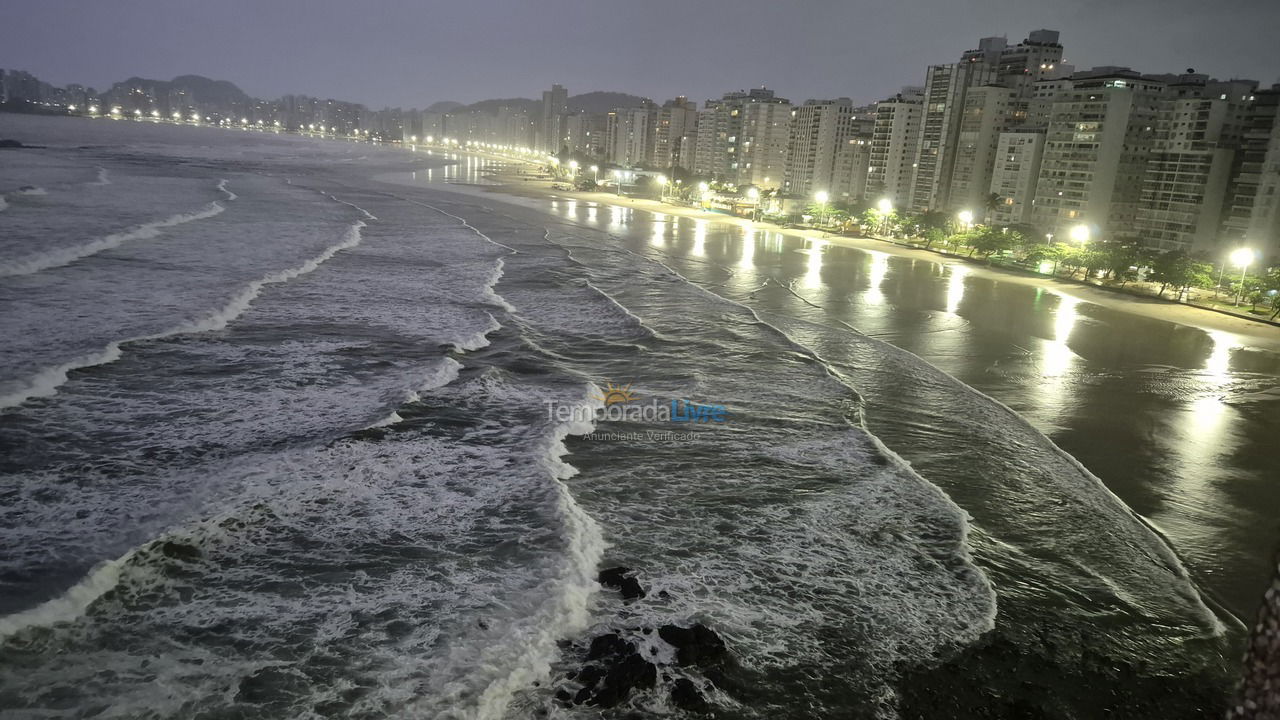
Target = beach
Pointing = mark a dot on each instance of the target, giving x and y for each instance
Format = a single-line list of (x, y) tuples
[(1252, 333), (308, 428)]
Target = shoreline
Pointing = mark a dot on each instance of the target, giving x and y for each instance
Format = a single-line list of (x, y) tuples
[(1250, 334)]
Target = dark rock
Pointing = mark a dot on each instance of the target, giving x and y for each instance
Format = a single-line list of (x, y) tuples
[(563, 695), (697, 645), (179, 551), (613, 577), (685, 695), (633, 672), (590, 675), (608, 645), (583, 695), (6, 143), (631, 589)]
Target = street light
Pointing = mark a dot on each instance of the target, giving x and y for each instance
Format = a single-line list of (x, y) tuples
[(966, 217), (1048, 238), (595, 170), (821, 196), (1080, 233), (662, 187), (1242, 257), (754, 194)]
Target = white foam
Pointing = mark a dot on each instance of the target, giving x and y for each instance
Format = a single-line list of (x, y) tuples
[(524, 656), (479, 339), (222, 185), (391, 419), (71, 604), (102, 177), (46, 382), (68, 255), (490, 295)]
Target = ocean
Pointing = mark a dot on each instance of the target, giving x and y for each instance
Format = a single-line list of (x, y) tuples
[(302, 428)]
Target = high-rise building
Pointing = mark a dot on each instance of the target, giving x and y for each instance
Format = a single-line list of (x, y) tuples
[(819, 130), (763, 144), (988, 111), (894, 139), (944, 96), (555, 106), (1253, 218), (629, 136), (1197, 133), (1097, 145), (1014, 175), (720, 138), (849, 174), (1037, 58), (674, 124)]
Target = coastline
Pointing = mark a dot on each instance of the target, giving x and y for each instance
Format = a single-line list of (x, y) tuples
[(1247, 333)]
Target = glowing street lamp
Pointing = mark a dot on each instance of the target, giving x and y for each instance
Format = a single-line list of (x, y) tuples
[(595, 169), (1080, 233), (754, 194), (662, 187), (1241, 257), (885, 206), (821, 196), (966, 218)]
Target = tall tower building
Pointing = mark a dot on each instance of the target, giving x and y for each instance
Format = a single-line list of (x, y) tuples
[(1253, 218), (722, 144), (1099, 138), (894, 139), (820, 129), (763, 145), (988, 111), (1197, 133), (1014, 175), (555, 106), (630, 136), (674, 124), (944, 95)]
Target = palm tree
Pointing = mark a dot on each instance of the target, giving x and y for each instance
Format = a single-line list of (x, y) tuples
[(994, 200)]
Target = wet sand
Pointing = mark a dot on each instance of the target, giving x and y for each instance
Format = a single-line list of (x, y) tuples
[(1172, 407), (1252, 333)]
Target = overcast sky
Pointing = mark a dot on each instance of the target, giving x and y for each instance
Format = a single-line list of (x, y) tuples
[(414, 52)]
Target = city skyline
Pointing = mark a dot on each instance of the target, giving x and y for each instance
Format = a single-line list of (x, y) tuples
[(863, 53)]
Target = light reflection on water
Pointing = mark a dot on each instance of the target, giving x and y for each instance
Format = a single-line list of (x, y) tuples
[(1163, 439), (955, 286), (700, 237), (1058, 357), (876, 274), (747, 259), (812, 279)]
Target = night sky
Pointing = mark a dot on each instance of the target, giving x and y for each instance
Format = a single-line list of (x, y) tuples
[(414, 52)]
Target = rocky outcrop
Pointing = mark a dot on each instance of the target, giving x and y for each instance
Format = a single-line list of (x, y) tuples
[(619, 578), (616, 665)]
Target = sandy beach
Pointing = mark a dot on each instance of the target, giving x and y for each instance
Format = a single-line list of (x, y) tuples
[(1248, 333)]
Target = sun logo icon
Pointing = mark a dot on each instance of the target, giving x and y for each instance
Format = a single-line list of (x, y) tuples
[(616, 394)]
